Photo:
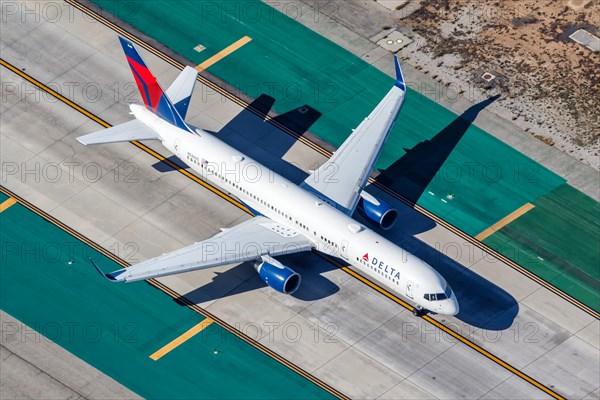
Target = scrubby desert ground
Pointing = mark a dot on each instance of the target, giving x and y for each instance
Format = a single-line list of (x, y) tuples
[(550, 85)]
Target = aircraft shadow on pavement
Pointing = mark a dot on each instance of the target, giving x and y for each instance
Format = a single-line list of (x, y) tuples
[(413, 172), (482, 303), (264, 141), (162, 166), (261, 140), (313, 287), (409, 221)]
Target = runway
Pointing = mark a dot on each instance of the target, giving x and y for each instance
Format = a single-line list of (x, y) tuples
[(368, 358)]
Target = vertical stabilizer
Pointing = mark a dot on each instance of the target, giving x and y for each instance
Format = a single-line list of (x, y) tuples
[(152, 94), (180, 91)]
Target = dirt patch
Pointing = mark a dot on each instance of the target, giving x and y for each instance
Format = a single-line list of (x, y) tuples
[(550, 85)]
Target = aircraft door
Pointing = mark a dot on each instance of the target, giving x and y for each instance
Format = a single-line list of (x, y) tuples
[(344, 250), (409, 289), (177, 147)]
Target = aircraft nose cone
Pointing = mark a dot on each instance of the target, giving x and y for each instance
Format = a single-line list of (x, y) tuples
[(451, 307)]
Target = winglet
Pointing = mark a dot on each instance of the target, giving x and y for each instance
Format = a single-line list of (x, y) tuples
[(399, 76), (107, 276)]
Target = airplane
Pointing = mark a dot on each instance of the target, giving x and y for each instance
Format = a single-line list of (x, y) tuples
[(288, 218)]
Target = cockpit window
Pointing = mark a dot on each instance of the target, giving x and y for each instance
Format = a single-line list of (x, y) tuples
[(439, 296), (448, 291)]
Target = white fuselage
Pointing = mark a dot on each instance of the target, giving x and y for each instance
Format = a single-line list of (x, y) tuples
[(330, 231)]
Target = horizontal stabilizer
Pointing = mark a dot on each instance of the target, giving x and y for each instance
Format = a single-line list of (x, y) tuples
[(126, 132), (180, 91)]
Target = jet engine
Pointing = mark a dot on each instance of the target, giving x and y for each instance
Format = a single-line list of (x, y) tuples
[(276, 275), (377, 210)]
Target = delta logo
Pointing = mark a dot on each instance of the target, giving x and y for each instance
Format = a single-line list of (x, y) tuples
[(383, 267)]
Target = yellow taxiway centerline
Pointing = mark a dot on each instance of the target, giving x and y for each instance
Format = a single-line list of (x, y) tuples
[(176, 342), (505, 221), (7, 203), (223, 53)]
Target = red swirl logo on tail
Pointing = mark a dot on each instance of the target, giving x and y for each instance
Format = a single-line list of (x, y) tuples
[(146, 83)]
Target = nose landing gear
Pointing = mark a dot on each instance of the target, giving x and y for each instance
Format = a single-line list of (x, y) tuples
[(419, 311)]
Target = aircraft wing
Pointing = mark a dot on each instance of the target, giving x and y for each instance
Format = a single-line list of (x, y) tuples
[(247, 241), (344, 176)]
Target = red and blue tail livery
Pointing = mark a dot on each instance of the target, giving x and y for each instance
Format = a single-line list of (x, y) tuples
[(153, 96)]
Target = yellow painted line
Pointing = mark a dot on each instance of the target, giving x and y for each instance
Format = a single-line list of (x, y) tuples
[(54, 93), (176, 342), (450, 332), (384, 292), (505, 221), (7, 203), (223, 53), (492, 357), (136, 143)]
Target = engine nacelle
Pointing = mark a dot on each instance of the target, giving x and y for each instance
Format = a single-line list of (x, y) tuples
[(276, 275), (377, 210)]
